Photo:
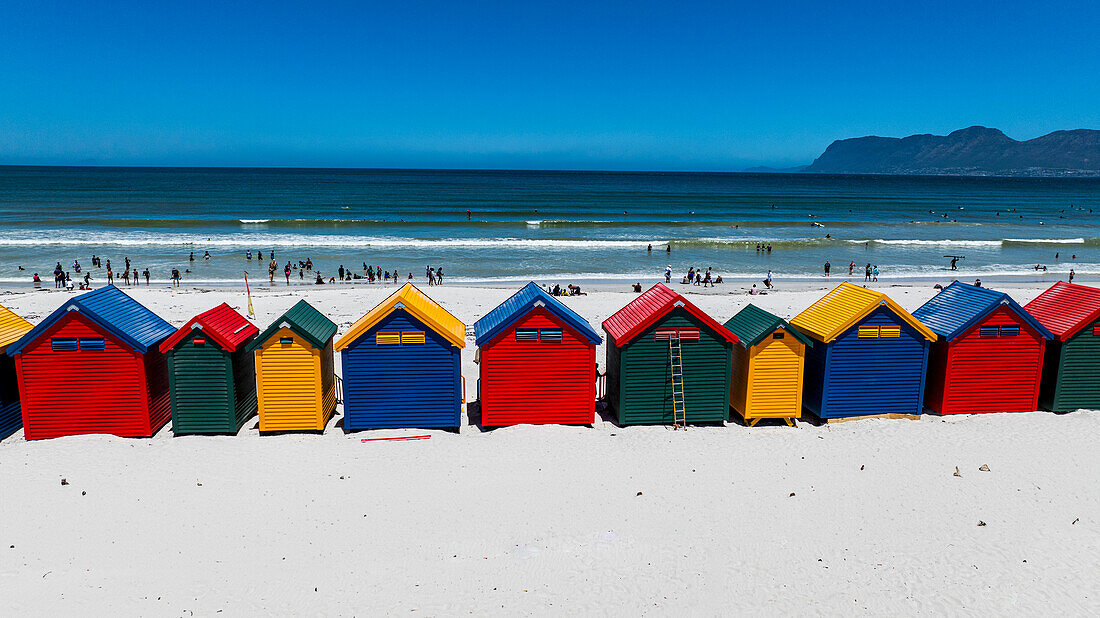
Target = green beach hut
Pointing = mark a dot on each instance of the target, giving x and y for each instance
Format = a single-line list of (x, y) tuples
[(211, 378), (667, 361), (1071, 369)]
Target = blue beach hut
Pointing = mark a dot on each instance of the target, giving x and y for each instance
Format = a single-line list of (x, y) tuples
[(871, 359), (401, 365)]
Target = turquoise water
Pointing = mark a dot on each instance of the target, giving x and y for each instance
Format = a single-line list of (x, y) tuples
[(540, 225)]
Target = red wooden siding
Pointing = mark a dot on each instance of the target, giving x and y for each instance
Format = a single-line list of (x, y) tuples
[(71, 393), (538, 382), (989, 374)]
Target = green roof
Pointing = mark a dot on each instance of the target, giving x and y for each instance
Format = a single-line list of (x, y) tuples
[(304, 320), (752, 324)]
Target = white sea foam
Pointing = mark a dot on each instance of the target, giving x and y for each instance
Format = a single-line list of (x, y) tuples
[(266, 240), (251, 221)]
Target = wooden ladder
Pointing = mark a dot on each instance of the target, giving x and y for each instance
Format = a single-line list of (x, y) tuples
[(676, 364)]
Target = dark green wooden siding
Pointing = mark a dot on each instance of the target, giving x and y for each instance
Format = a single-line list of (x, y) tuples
[(1076, 383), (644, 385), (204, 388)]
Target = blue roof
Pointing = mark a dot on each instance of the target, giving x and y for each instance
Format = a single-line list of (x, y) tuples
[(960, 306), (116, 312), (519, 304)]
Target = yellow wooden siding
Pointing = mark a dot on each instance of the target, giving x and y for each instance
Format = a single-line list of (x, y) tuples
[(288, 384), (739, 379), (774, 388), (12, 327)]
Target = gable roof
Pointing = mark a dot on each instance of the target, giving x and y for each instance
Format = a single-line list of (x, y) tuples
[(411, 299), (752, 325), (1065, 308), (12, 327), (518, 304), (959, 306), (833, 314), (116, 312), (303, 319), (628, 322), (229, 328)]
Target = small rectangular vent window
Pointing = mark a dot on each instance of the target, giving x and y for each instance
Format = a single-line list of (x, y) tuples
[(199, 340), (987, 331), (387, 338), (286, 340), (92, 344), (412, 337), (777, 335), (868, 332), (1096, 331), (664, 334), (63, 344), (689, 334), (527, 334), (890, 331), (550, 334), (1010, 331)]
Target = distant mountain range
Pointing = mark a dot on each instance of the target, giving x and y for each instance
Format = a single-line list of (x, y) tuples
[(976, 151)]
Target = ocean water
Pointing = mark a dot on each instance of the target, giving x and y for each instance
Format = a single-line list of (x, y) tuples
[(542, 226)]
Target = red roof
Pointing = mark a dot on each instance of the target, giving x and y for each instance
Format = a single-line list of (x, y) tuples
[(229, 328), (628, 322), (1066, 308)]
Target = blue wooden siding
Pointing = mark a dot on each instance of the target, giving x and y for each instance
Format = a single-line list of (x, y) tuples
[(873, 375), (389, 386)]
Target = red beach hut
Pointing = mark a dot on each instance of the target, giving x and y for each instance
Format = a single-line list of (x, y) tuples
[(988, 354), (93, 366), (537, 361)]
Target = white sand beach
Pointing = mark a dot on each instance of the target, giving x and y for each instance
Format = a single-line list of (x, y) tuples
[(864, 517)]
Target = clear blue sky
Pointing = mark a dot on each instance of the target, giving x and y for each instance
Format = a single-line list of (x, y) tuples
[(555, 85)]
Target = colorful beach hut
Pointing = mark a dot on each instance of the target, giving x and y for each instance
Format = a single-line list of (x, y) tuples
[(537, 362), (869, 355), (768, 364), (211, 378), (988, 353), (94, 366), (1071, 369), (401, 365), (667, 361), (12, 328), (295, 383)]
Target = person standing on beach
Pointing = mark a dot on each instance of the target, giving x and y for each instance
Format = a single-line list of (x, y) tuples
[(828, 267), (867, 273), (874, 273), (340, 271), (272, 266), (668, 273), (1071, 274), (146, 274), (110, 274), (286, 271), (127, 263), (768, 280), (851, 269), (175, 277), (57, 271), (439, 276)]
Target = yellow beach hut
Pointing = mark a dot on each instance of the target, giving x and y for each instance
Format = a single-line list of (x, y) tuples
[(768, 365), (295, 383)]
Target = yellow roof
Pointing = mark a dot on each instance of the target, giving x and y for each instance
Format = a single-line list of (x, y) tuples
[(417, 303), (846, 304), (12, 327)]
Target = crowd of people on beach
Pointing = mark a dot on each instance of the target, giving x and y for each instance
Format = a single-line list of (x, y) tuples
[(129, 275)]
